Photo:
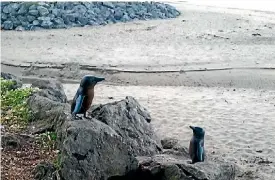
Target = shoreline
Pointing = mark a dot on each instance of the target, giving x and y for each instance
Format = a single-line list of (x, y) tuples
[(237, 78)]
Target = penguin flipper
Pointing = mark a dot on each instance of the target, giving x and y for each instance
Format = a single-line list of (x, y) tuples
[(78, 104), (200, 152)]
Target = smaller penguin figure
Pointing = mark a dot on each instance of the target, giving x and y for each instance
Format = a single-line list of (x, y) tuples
[(196, 146), (84, 96)]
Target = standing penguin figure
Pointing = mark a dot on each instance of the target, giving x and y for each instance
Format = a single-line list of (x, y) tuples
[(196, 147), (84, 96)]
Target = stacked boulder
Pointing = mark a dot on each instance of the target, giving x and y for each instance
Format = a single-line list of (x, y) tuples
[(55, 15)]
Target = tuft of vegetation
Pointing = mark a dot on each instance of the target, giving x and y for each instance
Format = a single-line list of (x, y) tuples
[(15, 112), (47, 140), (57, 162)]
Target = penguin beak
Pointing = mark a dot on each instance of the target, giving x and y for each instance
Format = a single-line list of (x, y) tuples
[(192, 127), (99, 79)]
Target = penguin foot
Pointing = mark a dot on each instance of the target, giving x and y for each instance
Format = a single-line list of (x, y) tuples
[(88, 117), (189, 162), (75, 117)]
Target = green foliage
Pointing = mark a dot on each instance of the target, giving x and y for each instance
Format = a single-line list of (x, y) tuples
[(6, 85), (47, 140), (57, 162), (15, 111)]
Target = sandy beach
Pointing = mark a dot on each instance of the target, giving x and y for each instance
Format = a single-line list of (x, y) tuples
[(211, 67)]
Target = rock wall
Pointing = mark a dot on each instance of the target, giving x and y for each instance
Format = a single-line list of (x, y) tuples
[(55, 15)]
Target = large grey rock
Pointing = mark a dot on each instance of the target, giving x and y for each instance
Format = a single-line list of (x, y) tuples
[(48, 106), (108, 4), (19, 28), (42, 10), (125, 18), (83, 20), (106, 145), (41, 19), (118, 14), (31, 18), (17, 81), (35, 22), (33, 7), (60, 5), (69, 18), (33, 12), (23, 9), (52, 89), (80, 9), (175, 167), (56, 12), (169, 143), (8, 25), (130, 120), (16, 21), (58, 21), (46, 5), (93, 150), (47, 24), (11, 8), (7, 9), (4, 16)]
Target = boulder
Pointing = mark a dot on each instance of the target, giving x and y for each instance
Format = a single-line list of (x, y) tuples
[(4, 16), (31, 18), (33, 7), (174, 164), (47, 24), (52, 89), (17, 81), (35, 22), (48, 106), (131, 121), (43, 4), (106, 145), (8, 25), (108, 5), (19, 28), (23, 9), (58, 21), (33, 12), (169, 143), (42, 10), (174, 167), (47, 115), (80, 9), (56, 12)]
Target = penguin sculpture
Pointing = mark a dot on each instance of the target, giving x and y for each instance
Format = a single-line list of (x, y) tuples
[(84, 96), (196, 146)]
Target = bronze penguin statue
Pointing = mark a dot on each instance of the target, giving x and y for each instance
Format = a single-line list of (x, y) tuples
[(196, 146), (84, 96)]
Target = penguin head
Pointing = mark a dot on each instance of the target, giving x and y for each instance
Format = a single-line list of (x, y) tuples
[(198, 131), (90, 80)]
